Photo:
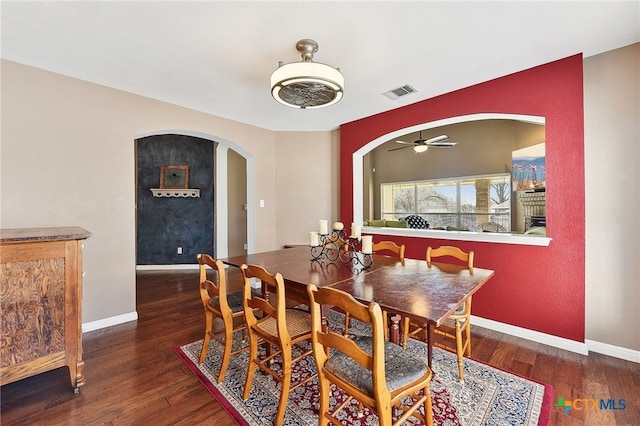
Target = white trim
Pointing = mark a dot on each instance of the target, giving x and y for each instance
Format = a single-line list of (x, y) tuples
[(166, 267), (486, 237), (614, 351), (108, 322), (534, 336), (221, 203)]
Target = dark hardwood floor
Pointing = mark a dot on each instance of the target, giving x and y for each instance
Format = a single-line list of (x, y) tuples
[(134, 376)]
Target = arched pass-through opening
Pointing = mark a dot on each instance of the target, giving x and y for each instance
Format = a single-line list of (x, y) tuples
[(358, 159)]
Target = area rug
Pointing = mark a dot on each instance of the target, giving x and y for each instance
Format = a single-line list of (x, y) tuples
[(489, 396)]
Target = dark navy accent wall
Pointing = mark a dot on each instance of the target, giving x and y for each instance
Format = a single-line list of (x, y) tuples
[(164, 224)]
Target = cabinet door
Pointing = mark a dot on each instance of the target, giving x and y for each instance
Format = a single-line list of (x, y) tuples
[(40, 309)]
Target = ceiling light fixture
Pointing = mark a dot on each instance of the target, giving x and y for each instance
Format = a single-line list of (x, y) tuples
[(420, 148), (307, 84)]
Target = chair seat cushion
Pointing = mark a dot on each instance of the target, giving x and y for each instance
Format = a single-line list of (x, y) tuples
[(234, 300), (400, 367)]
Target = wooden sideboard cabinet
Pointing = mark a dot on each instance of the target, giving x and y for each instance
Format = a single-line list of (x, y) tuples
[(41, 302)]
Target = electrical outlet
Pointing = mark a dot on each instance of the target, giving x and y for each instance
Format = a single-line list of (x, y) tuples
[(179, 250)]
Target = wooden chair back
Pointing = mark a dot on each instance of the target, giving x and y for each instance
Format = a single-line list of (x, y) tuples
[(368, 352), (324, 341), (450, 251), (218, 302), (209, 288), (390, 246), (457, 326), (272, 303), (279, 327)]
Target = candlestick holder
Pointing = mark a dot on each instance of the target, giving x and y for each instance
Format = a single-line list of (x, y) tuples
[(337, 245)]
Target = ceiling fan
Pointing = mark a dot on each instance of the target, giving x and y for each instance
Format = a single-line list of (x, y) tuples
[(421, 144)]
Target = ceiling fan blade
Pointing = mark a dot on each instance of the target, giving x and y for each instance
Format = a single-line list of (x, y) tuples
[(437, 139), (406, 143), (443, 144), (441, 141), (402, 147)]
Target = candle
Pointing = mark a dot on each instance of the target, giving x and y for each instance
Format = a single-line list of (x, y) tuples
[(313, 239), (355, 231), (338, 226), (367, 244), (324, 227)]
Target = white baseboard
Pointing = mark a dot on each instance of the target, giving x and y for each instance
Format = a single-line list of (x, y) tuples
[(535, 336), (614, 351), (166, 267), (108, 322), (559, 342)]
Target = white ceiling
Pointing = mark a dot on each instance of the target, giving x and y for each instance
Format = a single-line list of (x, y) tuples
[(217, 56)]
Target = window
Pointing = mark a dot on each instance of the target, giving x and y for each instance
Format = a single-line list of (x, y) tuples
[(464, 203)]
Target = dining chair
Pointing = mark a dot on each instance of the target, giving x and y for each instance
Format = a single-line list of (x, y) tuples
[(279, 327), (219, 303), (376, 373), (457, 326), (381, 247)]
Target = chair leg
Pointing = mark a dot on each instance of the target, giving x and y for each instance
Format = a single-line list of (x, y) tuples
[(208, 328), (286, 387), (384, 410), (405, 332), (253, 355), (467, 325), (428, 408), (459, 352), (385, 324), (347, 323), (325, 396), (228, 344)]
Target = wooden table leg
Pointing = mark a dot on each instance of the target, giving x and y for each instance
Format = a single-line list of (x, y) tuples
[(394, 330), (324, 309), (430, 326)]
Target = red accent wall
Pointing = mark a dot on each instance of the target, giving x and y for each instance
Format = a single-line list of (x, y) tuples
[(538, 288)]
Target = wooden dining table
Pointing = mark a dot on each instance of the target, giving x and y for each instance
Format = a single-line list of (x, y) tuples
[(426, 294)]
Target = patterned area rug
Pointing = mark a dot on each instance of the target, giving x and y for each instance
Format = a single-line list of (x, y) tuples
[(489, 396)]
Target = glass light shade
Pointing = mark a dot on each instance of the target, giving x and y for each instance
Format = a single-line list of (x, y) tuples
[(420, 148), (307, 85)]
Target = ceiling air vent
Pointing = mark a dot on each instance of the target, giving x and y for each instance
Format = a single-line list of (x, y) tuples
[(399, 92)]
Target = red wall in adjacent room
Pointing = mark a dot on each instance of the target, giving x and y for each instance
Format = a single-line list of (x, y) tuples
[(538, 288)]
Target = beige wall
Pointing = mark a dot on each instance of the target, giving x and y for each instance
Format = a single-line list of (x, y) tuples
[(236, 202), (612, 156), (67, 158), (306, 184)]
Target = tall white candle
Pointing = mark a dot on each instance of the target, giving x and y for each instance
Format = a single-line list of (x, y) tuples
[(324, 227), (367, 244), (313, 239)]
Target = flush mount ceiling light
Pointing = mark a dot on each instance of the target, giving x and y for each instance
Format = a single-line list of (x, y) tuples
[(307, 84)]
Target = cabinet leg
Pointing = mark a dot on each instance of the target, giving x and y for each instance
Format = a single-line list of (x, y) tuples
[(77, 376)]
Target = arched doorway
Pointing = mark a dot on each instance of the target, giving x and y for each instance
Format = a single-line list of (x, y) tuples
[(170, 231)]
